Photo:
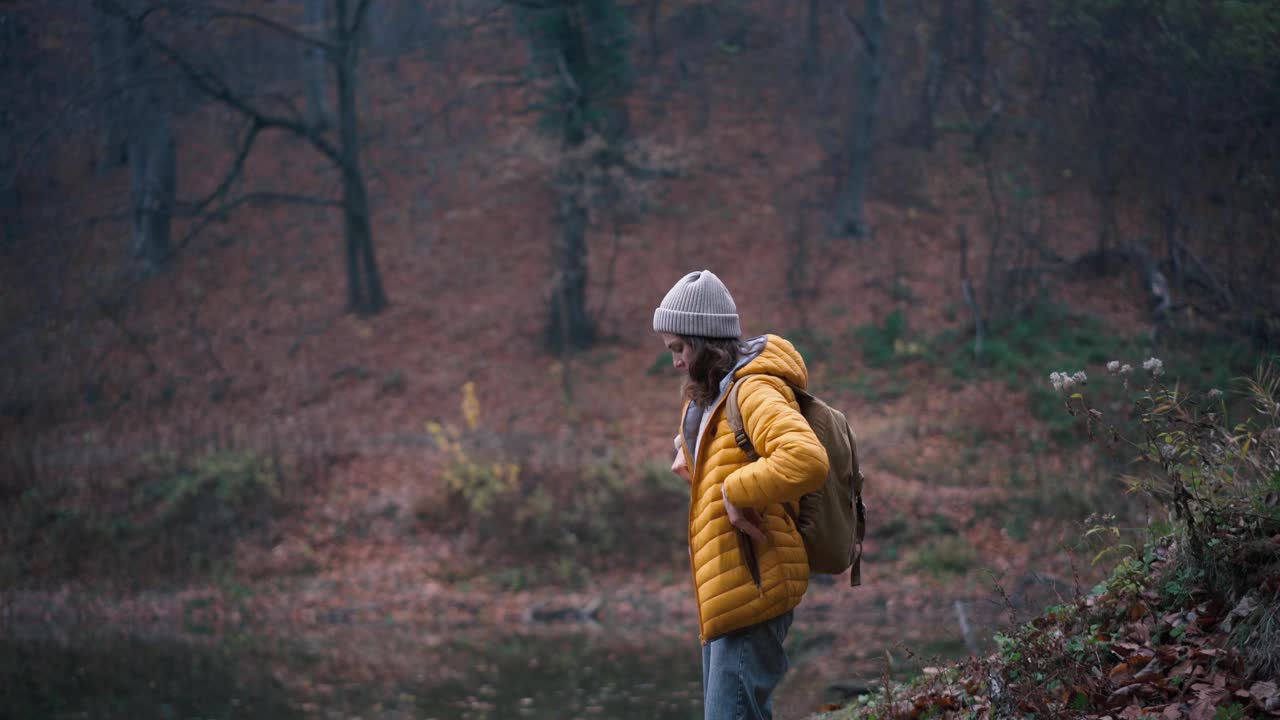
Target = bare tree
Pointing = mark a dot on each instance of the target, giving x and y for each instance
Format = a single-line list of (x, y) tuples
[(109, 56), (315, 66), (655, 46), (340, 47), (396, 27), (849, 218), (364, 283), (137, 126), (937, 67), (812, 61), (580, 52), (979, 11), (152, 181)]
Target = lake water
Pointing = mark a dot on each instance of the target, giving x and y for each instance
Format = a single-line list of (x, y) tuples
[(358, 672), (385, 672)]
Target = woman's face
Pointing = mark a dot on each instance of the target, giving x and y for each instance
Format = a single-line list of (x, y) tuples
[(681, 351)]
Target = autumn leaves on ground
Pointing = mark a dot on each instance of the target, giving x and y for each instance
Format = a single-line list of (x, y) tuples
[(225, 439)]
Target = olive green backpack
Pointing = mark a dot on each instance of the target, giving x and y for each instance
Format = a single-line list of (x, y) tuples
[(832, 519)]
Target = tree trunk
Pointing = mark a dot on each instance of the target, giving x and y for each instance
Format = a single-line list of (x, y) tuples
[(111, 68), (364, 283), (152, 179), (813, 44), (152, 161), (849, 219), (1104, 168), (655, 49), (395, 27), (14, 225), (316, 66), (939, 63), (571, 327), (979, 11)]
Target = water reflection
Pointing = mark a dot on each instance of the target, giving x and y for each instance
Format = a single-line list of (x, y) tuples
[(573, 676), (132, 677), (348, 673), (388, 672)]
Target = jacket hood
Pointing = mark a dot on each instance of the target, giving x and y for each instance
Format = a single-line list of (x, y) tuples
[(773, 355), (762, 355)]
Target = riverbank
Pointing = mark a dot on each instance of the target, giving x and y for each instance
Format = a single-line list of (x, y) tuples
[(477, 653)]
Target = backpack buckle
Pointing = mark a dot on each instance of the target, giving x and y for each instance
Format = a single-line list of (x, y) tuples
[(744, 443)]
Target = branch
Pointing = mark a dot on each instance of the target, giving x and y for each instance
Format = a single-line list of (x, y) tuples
[(1223, 293), (357, 23), (214, 13), (288, 103), (268, 197), (84, 95), (536, 4), (855, 26), (108, 310), (233, 172), (566, 75), (273, 25), (217, 88), (966, 287), (484, 16), (254, 198)]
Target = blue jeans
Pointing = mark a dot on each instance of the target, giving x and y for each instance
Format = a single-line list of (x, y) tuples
[(741, 669)]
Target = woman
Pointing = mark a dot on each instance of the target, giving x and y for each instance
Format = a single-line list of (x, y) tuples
[(748, 560)]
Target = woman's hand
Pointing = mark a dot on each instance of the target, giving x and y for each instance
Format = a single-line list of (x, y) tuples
[(745, 519), (680, 467)]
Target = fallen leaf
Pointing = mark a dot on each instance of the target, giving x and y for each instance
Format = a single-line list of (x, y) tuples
[(1263, 689), (1125, 648), (1150, 670), (1132, 712), (1264, 693), (1141, 631), (1121, 673), (1123, 695), (1246, 606), (1206, 703)]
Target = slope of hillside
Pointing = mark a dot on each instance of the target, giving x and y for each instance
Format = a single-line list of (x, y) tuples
[(243, 346)]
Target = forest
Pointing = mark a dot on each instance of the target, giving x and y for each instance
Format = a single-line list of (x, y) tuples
[(330, 386)]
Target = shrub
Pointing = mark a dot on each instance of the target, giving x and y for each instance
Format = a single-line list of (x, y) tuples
[(884, 344), (1050, 335), (947, 555), (1217, 478), (541, 507), (176, 515), (479, 480)]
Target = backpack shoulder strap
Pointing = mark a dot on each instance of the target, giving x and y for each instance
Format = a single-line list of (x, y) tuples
[(733, 413), (859, 515)]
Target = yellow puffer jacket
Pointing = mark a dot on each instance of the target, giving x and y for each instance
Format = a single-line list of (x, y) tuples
[(792, 462)]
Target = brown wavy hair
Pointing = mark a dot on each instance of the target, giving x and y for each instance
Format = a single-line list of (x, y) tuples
[(713, 359)]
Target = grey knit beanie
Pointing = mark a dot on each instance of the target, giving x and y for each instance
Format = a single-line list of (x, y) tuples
[(698, 305)]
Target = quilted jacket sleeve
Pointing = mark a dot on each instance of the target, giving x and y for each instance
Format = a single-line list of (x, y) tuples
[(792, 461)]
